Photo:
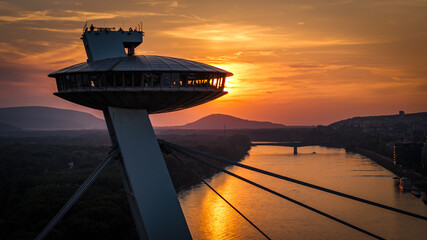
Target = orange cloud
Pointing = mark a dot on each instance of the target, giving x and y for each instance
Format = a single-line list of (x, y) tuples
[(293, 63)]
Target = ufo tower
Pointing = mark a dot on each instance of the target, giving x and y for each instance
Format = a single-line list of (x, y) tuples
[(127, 88)]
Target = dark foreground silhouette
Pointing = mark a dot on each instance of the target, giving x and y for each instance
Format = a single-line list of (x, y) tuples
[(38, 175)]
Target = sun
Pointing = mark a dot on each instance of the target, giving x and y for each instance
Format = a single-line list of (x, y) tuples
[(230, 82)]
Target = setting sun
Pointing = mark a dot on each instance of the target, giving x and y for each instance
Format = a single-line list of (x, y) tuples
[(212, 120), (290, 58)]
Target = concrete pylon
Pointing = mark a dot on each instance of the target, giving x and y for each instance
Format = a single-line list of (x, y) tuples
[(150, 192)]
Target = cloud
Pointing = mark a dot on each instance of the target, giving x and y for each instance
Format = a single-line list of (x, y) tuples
[(159, 3), (222, 58), (13, 74), (73, 15), (53, 57), (285, 56), (221, 32), (54, 29), (250, 37), (304, 66), (415, 3)]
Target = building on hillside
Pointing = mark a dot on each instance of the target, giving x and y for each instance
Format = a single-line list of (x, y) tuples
[(407, 154), (424, 155)]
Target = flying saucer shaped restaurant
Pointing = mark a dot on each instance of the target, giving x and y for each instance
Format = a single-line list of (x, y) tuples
[(155, 83)]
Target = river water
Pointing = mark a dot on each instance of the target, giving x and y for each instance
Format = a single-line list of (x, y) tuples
[(209, 217)]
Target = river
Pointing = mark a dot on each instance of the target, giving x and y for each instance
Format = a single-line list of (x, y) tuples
[(209, 217)]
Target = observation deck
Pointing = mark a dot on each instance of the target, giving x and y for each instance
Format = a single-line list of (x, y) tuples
[(127, 88), (155, 83)]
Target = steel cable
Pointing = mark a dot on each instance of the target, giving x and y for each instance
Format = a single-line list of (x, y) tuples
[(82, 189), (177, 147), (281, 195), (217, 193)]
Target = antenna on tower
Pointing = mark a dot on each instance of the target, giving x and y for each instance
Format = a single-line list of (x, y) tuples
[(85, 27)]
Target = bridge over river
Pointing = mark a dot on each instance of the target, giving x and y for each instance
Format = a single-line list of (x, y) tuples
[(297, 144)]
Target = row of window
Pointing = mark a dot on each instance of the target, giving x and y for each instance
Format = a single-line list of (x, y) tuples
[(139, 79)]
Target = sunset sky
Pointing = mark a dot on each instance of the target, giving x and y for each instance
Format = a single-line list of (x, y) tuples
[(294, 62)]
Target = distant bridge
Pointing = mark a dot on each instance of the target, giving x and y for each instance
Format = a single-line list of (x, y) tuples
[(297, 144)]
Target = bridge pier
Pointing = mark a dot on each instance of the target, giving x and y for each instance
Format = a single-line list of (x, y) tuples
[(295, 150)]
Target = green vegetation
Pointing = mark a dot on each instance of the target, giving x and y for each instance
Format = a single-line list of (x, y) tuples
[(36, 181)]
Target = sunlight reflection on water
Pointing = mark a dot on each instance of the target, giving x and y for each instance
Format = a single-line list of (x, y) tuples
[(210, 218)]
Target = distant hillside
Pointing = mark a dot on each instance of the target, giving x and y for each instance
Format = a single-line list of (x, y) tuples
[(411, 127), (46, 118), (219, 121), (412, 119), (8, 128)]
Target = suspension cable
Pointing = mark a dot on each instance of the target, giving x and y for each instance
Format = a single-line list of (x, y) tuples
[(281, 195), (217, 193), (82, 189), (177, 147)]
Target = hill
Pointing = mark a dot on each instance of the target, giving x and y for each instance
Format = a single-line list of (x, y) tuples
[(221, 121), (8, 128), (411, 126), (412, 120), (46, 118)]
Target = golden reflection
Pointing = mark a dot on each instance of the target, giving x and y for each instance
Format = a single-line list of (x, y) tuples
[(210, 218), (218, 217)]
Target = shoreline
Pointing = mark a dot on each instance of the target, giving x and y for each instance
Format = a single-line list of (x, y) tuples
[(418, 180)]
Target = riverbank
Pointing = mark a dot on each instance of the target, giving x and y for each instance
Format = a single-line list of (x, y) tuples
[(418, 180), (233, 148), (210, 218)]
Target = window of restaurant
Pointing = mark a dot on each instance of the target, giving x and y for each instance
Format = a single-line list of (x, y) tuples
[(72, 81), (118, 79), (155, 79), (109, 79), (183, 79), (58, 83), (85, 80), (137, 79), (175, 79), (78, 81), (93, 81), (166, 79), (128, 79)]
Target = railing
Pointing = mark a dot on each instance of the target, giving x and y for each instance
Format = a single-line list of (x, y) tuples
[(120, 80)]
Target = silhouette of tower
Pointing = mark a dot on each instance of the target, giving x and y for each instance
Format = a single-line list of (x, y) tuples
[(127, 88)]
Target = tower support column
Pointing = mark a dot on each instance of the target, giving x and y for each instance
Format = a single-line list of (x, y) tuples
[(152, 197)]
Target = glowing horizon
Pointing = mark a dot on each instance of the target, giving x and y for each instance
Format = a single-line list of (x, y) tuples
[(293, 63)]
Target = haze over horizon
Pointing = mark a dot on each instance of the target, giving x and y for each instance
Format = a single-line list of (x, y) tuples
[(294, 62)]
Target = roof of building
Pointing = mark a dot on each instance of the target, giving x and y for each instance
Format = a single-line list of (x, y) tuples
[(147, 63)]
